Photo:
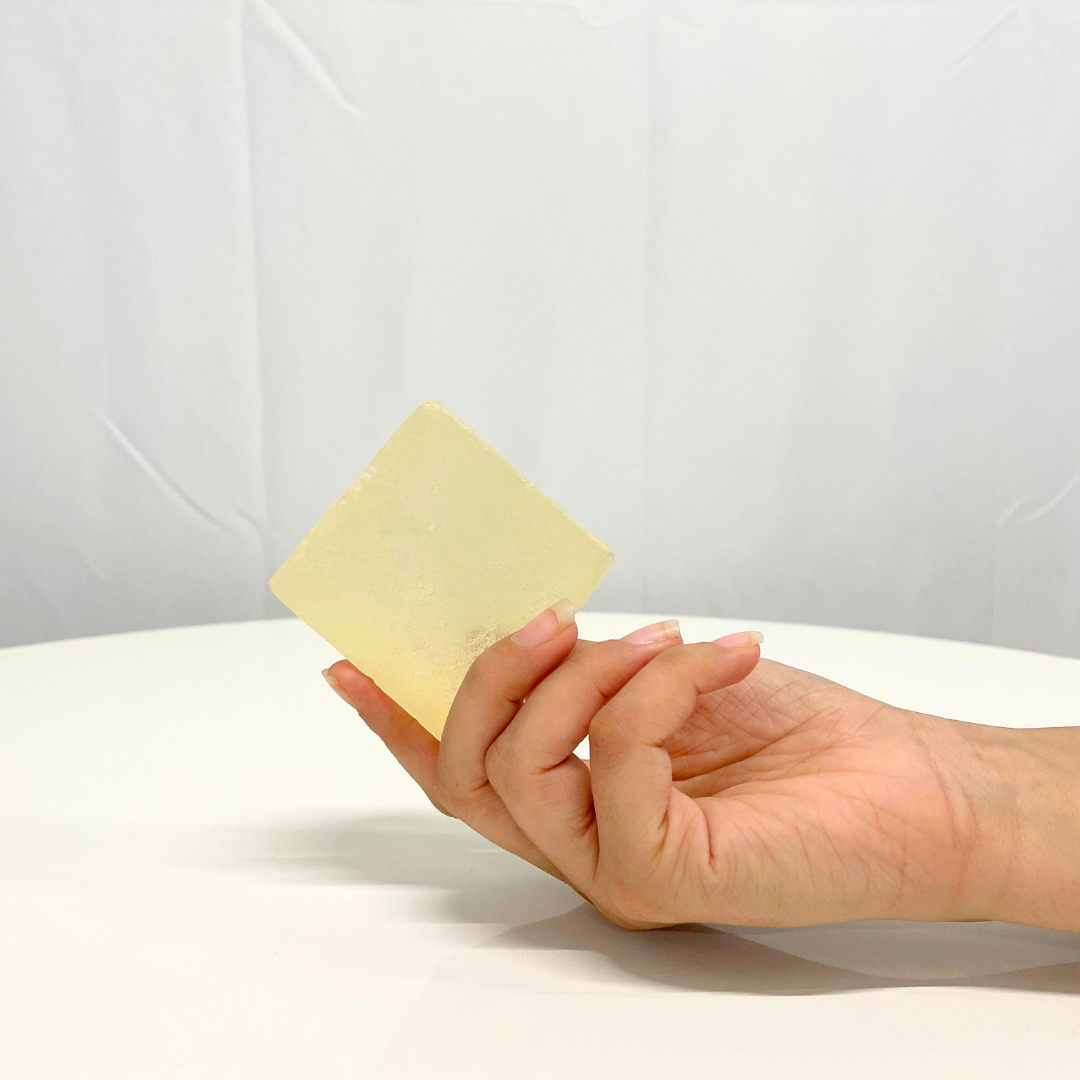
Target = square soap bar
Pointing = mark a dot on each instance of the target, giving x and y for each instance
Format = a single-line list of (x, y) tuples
[(438, 549)]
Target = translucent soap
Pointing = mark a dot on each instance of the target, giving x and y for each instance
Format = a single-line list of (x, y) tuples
[(438, 549)]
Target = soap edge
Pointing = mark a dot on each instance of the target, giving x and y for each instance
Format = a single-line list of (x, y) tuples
[(433, 403), (277, 580)]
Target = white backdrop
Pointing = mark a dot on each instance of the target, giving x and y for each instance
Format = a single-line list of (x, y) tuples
[(780, 299)]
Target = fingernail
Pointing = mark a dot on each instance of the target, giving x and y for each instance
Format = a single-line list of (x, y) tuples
[(337, 687), (655, 632), (738, 641), (550, 622)]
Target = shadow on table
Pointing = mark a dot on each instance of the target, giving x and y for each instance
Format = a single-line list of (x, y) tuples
[(457, 876)]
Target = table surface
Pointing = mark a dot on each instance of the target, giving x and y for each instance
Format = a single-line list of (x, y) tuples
[(210, 868)]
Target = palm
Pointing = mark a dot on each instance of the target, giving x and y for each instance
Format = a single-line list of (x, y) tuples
[(807, 791)]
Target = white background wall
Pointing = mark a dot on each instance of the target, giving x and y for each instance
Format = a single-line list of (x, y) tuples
[(780, 299)]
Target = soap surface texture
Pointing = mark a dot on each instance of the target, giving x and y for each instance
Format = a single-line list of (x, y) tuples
[(438, 549)]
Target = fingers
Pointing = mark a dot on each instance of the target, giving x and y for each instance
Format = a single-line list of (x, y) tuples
[(418, 751), (630, 767), (491, 695), (532, 764), (506, 763), (555, 719), (415, 748)]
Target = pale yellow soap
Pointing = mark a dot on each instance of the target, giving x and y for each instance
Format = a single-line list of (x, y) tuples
[(438, 549)]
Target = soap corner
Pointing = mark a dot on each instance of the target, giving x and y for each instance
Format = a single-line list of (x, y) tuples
[(278, 579), (429, 405)]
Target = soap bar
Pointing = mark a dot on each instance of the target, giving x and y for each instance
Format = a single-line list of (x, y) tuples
[(438, 549)]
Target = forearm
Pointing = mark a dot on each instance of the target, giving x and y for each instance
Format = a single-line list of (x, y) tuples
[(1025, 798)]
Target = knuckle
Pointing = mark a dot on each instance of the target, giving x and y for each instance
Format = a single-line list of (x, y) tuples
[(500, 766), (481, 674), (681, 670), (441, 797), (678, 659), (498, 675), (703, 654), (605, 666), (440, 802), (610, 664), (458, 795), (627, 908), (612, 727), (615, 916)]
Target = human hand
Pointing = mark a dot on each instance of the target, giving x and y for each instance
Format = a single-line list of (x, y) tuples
[(724, 789)]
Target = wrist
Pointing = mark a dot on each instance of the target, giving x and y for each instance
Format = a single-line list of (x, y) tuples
[(1023, 790)]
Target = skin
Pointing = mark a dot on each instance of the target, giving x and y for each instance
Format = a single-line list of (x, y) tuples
[(725, 788)]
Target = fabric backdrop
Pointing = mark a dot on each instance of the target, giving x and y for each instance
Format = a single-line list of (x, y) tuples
[(781, 299)]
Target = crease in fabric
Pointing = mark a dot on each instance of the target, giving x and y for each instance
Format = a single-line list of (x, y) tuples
[(260, 530), (1056, 500), (650, 272), (306, 56), (160, 478), (987, 34), (1007, 515), (1047, 507), (587, 11)]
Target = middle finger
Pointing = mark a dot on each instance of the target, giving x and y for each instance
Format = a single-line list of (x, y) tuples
[(532, 765)]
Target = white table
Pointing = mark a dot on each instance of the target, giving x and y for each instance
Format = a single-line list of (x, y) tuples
[(210, 868)]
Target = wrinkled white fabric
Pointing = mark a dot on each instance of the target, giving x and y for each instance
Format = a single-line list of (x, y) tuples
[(780, 299)]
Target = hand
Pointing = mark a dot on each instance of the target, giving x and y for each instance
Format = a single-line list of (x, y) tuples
[(724, 789)]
